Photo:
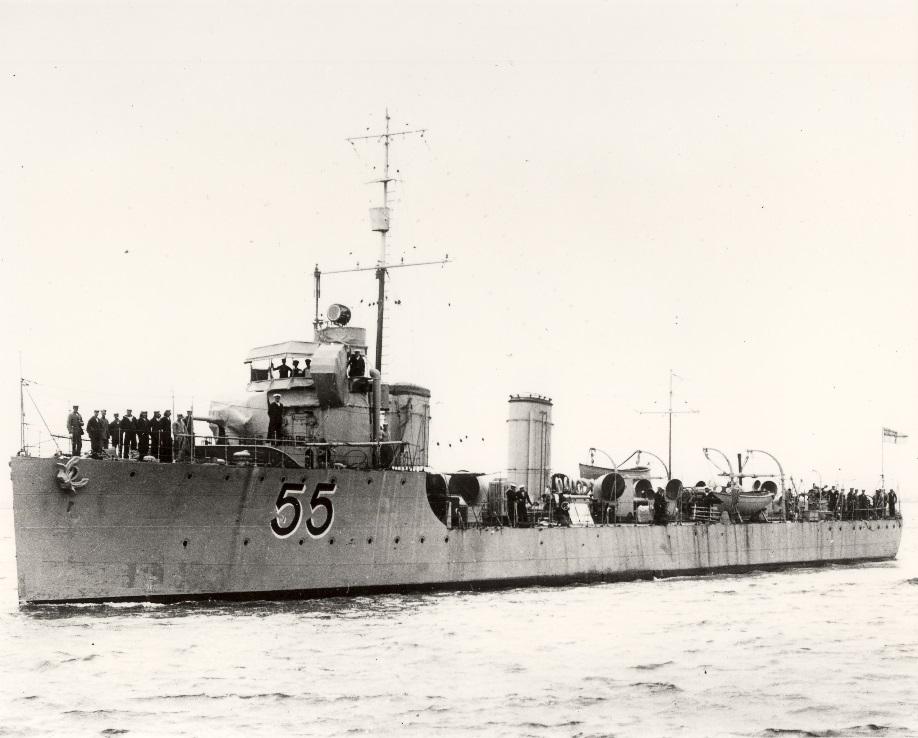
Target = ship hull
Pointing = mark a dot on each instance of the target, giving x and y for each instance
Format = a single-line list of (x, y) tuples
[(173, 532)]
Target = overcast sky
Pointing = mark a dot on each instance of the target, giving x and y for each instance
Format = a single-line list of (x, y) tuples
[(727, 189)]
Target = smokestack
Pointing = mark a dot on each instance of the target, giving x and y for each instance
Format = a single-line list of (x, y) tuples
[(529, 442)]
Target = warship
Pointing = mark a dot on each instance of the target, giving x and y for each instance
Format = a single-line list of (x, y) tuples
[(330, 493)]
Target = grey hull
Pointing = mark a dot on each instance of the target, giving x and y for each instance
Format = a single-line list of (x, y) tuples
[(169, 532)]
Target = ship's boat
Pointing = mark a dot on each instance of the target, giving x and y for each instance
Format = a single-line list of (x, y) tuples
[(745, 503)]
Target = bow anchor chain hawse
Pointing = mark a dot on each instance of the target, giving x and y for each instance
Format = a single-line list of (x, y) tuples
[(68, 478)]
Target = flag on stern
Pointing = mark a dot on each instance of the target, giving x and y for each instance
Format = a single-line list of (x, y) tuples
[(891, 436)]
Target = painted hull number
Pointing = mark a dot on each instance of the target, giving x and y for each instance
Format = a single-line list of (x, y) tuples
[(288, 510)]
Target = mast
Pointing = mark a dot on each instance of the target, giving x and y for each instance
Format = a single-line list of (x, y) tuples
[(670, 412), (22, 421), (381, 263), (379, 221)]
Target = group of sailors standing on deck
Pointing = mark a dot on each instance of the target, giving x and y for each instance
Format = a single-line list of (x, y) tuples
[(518, 505), (285, 372), (853, 505), (356, 367), (128, 437)]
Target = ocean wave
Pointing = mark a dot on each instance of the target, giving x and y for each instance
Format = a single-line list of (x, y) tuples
[(866, 729), (81, 658), (651, 667), (223, 696), (657, 686)]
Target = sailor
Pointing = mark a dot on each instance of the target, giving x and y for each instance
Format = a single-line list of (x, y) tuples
[(114, 433), (164, 431), (143, 434), (511, 505), (128, 434), (891, 500), (659, 507), (95, 435), (188, 446), (75, 430), (297, 372), (178, 437), (283, 371), (356, 365), (103, 427), (862, 504), (154, 433), (523, 503), (275, 418)]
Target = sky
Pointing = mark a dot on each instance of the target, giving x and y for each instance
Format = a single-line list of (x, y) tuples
[(723, 189)]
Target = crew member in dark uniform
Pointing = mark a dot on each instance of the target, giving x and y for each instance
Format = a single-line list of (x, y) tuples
[(128, 434), (357, 366), (154, 434), (94, 431), (523, 503), (891, 499), (114, 433), (511, 505), (275, 418), (143, 434), (659, 507), (283, 371), (297, 372), (165, 437)]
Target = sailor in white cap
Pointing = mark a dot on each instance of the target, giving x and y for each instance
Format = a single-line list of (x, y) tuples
[(275, 417)]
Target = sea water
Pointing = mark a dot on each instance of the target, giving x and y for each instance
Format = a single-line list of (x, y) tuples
[(829, 651)]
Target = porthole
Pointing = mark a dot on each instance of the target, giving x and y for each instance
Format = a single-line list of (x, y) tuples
[(245, 541), (403, 481), (422, 539), (301, 541), (226, 478), (370, 539), (185, 543), (283, 479), (133, 473), (446, 540), (370, 481), (261, 478), (397, 539), (190, 475), (331, 541)]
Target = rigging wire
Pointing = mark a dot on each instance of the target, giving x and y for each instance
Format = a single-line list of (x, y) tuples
[(38, 410)]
